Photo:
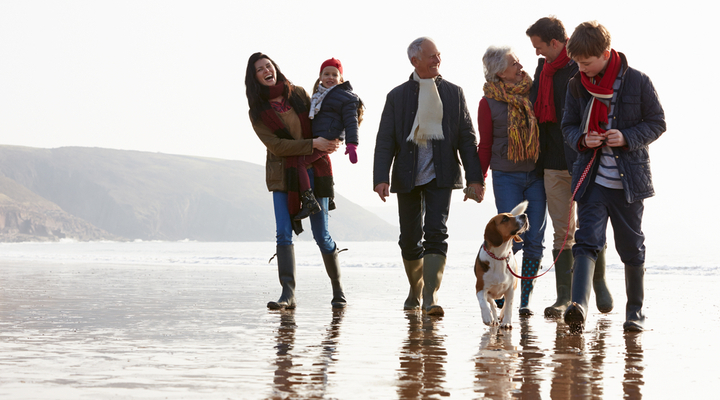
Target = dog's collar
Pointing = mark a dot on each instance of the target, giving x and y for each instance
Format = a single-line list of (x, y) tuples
[(491, 254)]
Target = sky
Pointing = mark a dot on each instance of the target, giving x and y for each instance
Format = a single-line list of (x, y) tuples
[(168, 76)]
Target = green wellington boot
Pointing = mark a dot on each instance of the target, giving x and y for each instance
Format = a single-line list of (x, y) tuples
[(433, 268), (563, 283), (286, 272), (635, 289), (332, 266), (530, 267), (414, 272), (576, 313), (603, 298)]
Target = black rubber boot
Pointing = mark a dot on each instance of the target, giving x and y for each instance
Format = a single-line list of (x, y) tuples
[(433, 268), (332, 266), (414, 272), (563, 283), (576, 313), (309, 205), (530, 267), (635, 289), (286, 272), (603, 298)]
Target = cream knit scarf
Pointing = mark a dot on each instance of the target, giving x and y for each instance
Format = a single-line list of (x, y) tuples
[(428, 119)]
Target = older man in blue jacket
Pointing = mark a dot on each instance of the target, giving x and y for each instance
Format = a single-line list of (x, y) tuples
[(424, 127)]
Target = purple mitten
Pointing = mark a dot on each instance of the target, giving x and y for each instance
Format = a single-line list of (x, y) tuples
[(350, 150)]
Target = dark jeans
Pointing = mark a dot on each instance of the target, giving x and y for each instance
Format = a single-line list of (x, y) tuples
[(318, 222), (423, 214), (594, 208), (510, 189)]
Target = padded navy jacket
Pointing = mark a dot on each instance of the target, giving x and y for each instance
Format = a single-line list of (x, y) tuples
[(638, 115), (338, 116)]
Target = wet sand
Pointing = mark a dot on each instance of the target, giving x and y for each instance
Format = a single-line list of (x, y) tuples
[(88, 331)]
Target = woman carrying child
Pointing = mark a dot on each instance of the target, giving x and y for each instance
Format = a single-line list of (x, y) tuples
[(279, 115)]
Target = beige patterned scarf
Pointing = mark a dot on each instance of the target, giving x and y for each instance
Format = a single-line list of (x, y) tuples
[(523, 133)]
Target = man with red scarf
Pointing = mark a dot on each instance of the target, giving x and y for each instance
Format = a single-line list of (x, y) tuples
[(612, 114), (553, 72)]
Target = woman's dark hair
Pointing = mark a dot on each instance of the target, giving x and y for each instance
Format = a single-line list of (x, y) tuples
[(253, 88)]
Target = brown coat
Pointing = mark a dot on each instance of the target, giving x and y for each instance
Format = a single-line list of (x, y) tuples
[(278, 149)]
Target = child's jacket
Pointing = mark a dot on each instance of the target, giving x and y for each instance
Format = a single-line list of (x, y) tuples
[(639, 116), (338, 116)]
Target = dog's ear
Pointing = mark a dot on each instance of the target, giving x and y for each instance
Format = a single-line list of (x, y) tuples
[(517, 238), (520, 208), (492, 235)]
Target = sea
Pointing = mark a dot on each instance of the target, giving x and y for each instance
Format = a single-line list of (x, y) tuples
[(664, 258)]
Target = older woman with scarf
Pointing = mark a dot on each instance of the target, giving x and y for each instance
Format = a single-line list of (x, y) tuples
[(279, 116), (510, 146)]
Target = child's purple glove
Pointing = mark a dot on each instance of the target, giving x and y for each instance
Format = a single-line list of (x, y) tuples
[(350, 150)]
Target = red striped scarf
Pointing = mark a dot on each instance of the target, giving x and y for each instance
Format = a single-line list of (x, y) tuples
[(598, 115)]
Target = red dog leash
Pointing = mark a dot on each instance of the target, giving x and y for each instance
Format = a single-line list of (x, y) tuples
[(567, 231)]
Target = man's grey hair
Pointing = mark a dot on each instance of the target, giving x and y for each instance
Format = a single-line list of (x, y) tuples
[(495, 61), (414, 49)]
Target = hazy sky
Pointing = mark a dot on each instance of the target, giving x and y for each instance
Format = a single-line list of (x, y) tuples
[(167, 76)]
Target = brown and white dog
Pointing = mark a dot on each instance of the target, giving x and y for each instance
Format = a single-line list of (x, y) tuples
[(494, 281)]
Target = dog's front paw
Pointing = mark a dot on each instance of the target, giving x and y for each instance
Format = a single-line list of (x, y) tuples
[(505, 325), (490, 321)]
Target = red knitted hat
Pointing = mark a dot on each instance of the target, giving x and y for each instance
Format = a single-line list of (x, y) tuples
[(333, 62)]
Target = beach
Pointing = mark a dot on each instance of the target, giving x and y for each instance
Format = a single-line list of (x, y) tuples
[(156, 321)]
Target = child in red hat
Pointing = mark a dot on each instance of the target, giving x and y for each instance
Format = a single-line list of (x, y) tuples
[(336, 112)]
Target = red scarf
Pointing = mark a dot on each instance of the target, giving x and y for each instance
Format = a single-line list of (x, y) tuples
[(602, 90), (322, 167), (545, 103)]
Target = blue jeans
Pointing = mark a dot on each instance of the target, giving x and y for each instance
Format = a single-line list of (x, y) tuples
[(596, 206), (318, 221), (432, 203), (510, 189)]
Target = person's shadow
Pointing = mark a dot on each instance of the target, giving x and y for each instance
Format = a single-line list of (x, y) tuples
[(422, 359), (496, 364), (288, 382), (633, 379)]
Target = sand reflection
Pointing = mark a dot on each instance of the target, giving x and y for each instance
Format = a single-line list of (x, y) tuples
[(579, 366), (293, 378), (496, 365), (422, 358), (633, 379)]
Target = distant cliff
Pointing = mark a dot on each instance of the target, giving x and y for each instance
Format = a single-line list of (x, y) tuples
[(93, 194)]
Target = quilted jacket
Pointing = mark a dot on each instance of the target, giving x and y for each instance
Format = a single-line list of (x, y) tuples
[(393, 149), (338, 116), (638, 115)]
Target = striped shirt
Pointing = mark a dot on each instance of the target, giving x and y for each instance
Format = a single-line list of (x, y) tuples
[(608, 174)]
